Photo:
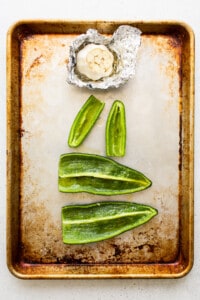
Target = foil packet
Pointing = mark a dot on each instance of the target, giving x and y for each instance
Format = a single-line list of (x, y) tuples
[(123, 44)]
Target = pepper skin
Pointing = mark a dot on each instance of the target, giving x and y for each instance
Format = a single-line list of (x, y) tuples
[(95, 174), (103, 220)]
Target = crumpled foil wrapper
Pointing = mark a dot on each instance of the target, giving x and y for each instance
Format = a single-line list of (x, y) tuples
[(124, 43)]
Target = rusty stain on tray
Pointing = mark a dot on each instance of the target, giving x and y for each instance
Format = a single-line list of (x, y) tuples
[(43, 244), (40, 240), (156, 103)]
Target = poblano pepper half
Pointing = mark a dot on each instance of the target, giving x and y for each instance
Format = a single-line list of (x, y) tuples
[(103, 220), (95, 174)]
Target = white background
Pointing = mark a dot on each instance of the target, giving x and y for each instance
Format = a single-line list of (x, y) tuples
[(14, 10)]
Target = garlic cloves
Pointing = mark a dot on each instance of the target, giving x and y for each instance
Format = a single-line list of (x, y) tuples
[(95, 61)]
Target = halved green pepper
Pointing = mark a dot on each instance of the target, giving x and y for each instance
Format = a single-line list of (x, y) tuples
[(103, 220), (84, 121), (116, 130), (95, 174)]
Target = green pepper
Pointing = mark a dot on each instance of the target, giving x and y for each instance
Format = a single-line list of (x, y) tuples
[(103, 220), (84, 121), (95, 174), (116, 130)]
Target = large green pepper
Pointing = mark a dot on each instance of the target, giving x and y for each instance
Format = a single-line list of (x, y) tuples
[(79, 172), (103, 220), (84, 121), (116, 130)]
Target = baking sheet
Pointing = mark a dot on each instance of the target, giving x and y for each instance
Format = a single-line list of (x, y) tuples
[(159, 144)]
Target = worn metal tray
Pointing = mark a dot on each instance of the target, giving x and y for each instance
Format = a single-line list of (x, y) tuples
[(159, 103)]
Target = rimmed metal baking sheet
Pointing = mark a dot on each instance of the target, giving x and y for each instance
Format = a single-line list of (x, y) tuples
[(159, 103)]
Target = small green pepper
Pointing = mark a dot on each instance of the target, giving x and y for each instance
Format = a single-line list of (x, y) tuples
[(116, 130), (103, 220), (95, 174), (84, 121)]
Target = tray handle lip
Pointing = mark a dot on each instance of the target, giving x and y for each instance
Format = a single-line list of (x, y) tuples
[(180, 270), (138, 23)]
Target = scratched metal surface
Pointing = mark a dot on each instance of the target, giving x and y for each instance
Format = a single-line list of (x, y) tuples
[(41, 109), (48, 107)]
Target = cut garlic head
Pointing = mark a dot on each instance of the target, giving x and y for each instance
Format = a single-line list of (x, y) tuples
[(95, 61)]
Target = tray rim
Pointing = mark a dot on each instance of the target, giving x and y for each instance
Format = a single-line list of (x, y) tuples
[(16, 268)]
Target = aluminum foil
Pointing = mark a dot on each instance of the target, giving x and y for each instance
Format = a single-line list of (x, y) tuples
[(124, 44)]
